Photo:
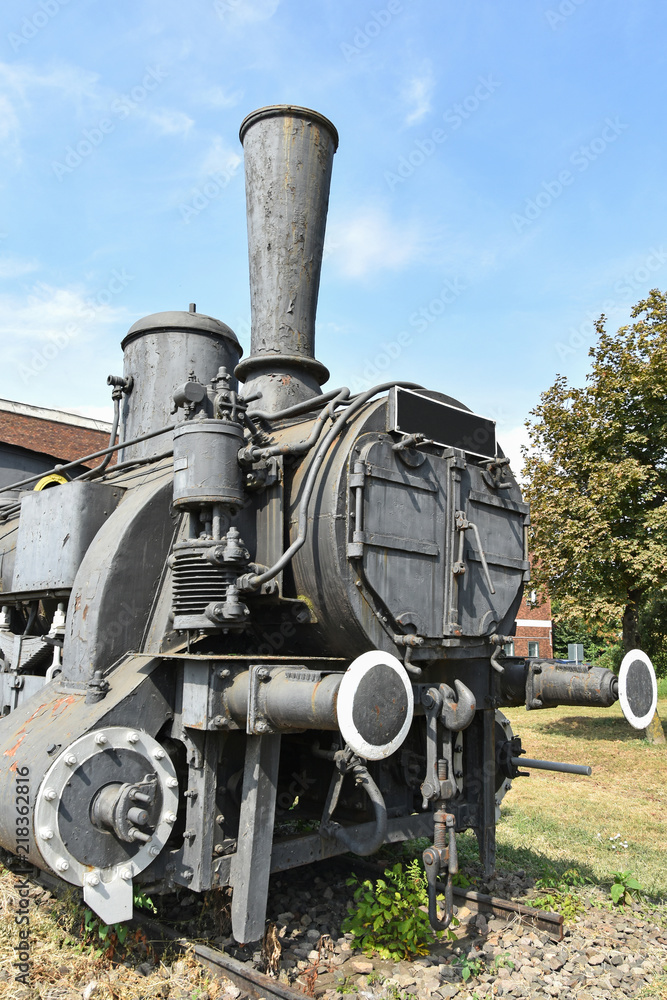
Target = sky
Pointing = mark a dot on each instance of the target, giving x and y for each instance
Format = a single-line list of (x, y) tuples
[(499, 183)]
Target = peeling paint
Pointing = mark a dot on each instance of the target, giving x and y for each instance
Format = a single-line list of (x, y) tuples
[(12, 750)]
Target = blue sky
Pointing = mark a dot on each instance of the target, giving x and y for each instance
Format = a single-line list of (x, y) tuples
[(500, 181)]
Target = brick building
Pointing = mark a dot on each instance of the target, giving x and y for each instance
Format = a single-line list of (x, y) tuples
[(533, 628), (33, 439)]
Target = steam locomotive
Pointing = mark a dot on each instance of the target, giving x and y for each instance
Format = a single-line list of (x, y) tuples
[(273, 631)]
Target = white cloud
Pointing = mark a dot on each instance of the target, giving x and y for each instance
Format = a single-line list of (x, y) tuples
[(9, 131), (72, 80), (49, 313), (369, 241), (220, 97), (12, 267), (170, 122), (416, 95), (219, 158), (245, 11)]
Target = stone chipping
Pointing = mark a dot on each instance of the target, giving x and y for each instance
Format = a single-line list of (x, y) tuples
[(605, 952)]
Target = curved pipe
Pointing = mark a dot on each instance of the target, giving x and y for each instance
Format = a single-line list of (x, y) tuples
[(298, 408), (251, 581), (300, 447), (99, 469), (358, 843)]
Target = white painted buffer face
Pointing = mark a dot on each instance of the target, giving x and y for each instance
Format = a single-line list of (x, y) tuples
[(375, 705), (637, 688)]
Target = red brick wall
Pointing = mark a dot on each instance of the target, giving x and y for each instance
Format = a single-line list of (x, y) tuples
[(64, 442), (539, 612)]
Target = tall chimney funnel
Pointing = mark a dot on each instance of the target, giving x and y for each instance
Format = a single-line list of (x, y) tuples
[(288, 158)]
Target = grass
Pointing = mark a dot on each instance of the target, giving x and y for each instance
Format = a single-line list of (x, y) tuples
[(584, 822), (64, 966)]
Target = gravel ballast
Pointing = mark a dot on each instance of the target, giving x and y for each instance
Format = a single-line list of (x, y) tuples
[(605, 952)]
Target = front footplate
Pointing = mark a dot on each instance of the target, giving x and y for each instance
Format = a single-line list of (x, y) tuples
[(441, 857)]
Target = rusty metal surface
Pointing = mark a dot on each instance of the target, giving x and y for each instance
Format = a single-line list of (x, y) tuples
[(256, 983), (159, 351), (288, 156), (54, 717), (115, 586), (507, 909)]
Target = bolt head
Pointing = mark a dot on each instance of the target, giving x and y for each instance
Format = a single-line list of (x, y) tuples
[(70, 759), (159, 754), (153, 851), (172, 783), (101, 740), (126, 874), (92, 879), (170, 818), (46, 834), (133, 737), (62, 865), (50, 794)]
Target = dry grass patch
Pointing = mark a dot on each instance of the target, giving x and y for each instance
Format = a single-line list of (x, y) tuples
[(65, 967), (588, 821)]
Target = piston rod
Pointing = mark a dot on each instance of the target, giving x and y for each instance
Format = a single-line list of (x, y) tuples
[(552, 765)]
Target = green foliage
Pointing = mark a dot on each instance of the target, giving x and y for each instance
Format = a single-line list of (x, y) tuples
[(346, 985), (624, 886), (597, 477), (653, 629), (469, 967), (552, 879), (143, 901), (557, 894), (503, 962), (558, 901), (386, 917), (601, 647), (96, 931), (462, 880)]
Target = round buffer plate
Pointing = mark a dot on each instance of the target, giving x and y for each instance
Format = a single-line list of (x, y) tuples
[(637, 688), (375, 705)]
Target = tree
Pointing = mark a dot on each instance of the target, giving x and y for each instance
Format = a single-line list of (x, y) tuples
[(597, 475)]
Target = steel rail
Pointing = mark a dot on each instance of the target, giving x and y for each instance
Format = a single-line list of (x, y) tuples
[(257, 983)]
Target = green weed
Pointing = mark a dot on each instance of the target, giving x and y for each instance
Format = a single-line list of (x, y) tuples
[(623, 888), (386, 917)]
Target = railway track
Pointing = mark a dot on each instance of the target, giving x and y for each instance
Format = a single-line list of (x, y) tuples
[(258, 985)]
